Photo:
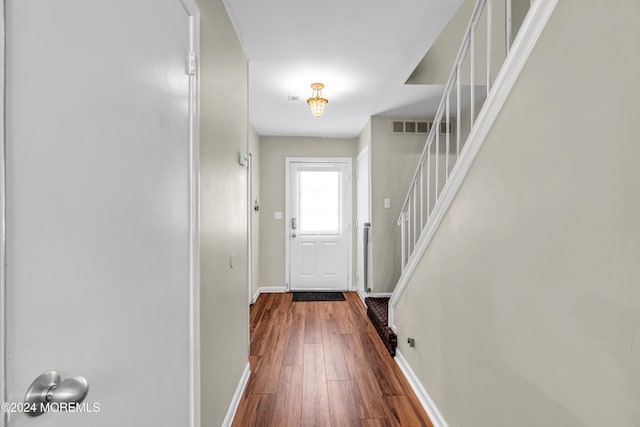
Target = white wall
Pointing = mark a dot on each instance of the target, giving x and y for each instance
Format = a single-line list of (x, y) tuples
[(364, 139), (526, 305), (273, 151), (224, 305)]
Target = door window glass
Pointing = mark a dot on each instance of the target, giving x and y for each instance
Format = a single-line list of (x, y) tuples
[(319, 200)]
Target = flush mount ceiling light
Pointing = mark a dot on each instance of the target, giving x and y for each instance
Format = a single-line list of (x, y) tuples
[(317, 102)]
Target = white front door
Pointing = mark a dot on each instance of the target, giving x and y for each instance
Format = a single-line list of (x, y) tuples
[(98, 181), (363, 221), (318, 225)]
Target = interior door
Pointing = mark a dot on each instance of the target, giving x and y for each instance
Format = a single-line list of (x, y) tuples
[(363, 224), (318, 229), (98, 207)]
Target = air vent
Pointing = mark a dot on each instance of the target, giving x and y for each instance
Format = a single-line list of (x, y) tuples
[(411, 127), (424, 127), (293, 98), (444, 129)]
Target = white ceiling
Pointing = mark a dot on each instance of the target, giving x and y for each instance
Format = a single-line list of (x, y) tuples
[(362, 50)]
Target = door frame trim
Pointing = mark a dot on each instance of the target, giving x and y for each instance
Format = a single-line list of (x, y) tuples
[(3, 209), (192, 9), (193, 12), (287, 217), (365, 151)]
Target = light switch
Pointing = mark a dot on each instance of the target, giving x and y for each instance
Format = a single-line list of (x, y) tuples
[(387, 203), (277, 215)]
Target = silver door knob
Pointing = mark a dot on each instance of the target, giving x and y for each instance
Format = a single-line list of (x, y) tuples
[(294, 234), (50, 388)]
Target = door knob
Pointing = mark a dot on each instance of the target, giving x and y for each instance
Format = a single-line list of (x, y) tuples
[(50, 388), (72, 389), (294, 234)]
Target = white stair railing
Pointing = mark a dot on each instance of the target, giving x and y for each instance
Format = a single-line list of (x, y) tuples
[(433, 171)]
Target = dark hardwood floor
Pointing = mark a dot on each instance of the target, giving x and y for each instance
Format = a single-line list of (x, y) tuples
[(322, 364)]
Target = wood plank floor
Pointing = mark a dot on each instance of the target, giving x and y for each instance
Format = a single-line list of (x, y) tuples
[(322, 364)]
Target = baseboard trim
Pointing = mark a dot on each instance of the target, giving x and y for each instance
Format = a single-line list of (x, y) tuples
[(527, 37), (425, 400), (268, 290), (233, 407)]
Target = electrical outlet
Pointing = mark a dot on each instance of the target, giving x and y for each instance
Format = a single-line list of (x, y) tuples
[(411, 342)]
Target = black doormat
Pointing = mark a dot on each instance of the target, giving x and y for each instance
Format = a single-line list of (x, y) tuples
[(317, 296)]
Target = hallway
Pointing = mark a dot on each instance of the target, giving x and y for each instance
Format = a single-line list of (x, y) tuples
[(322, 364)]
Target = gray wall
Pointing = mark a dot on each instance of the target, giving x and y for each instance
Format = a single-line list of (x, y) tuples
[(436, 65), (393, 162), (526, 306), (224, 296), (273, 151)]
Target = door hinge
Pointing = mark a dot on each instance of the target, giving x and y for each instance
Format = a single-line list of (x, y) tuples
[(193, 64)]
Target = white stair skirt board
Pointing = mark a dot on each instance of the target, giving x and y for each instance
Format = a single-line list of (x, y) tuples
[(530, 31), (381, 294), (233, 407), (268, 290), (425, 400), (361, 297), (374, 295)]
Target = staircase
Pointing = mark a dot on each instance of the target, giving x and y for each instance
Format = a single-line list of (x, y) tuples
[(469, 105)]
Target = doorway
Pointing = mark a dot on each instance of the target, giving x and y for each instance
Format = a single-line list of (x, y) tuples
[(318, 224)]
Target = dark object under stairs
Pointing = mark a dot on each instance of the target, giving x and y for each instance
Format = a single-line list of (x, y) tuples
[(378, 312)]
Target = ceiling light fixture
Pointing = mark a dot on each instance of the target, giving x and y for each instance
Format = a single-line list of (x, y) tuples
[(317, 102)]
